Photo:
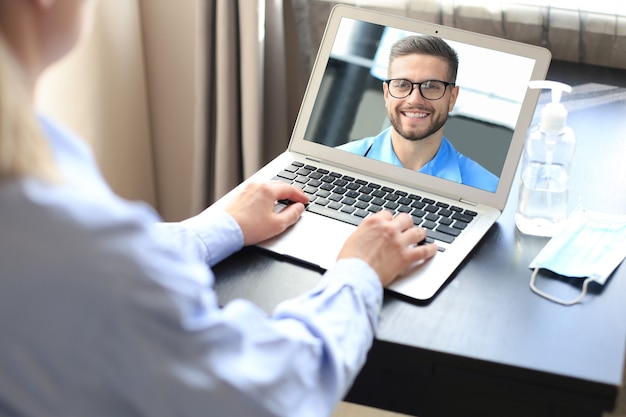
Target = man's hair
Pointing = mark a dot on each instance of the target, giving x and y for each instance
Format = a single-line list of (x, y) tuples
[(427, 45)]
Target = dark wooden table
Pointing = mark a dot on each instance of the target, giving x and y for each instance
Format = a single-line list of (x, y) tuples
[(485, 345)]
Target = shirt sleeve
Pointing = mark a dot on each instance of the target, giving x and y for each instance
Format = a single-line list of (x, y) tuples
[(236, 360), (211, 236)]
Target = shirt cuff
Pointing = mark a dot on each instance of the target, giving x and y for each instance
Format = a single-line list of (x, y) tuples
[(219, 233)]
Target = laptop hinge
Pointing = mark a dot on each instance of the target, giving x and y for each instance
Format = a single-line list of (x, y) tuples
[(471, 203), (312, 159)]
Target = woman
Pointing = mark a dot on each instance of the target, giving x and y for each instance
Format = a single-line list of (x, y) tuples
[(106, 311)]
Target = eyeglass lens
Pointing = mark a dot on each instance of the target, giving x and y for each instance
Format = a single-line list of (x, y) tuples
[(431, 89)]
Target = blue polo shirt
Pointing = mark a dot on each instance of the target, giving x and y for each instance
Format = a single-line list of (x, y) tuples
[(448, 163)]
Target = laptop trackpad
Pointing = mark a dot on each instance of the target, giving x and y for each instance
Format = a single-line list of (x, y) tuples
[(314, 238)]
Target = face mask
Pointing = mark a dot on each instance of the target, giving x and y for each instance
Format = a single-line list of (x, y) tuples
[(590, 246)]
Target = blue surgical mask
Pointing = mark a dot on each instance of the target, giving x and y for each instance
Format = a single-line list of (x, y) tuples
[(590, 246)]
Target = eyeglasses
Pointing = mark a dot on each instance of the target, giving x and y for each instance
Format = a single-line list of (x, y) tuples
[(430, 89)]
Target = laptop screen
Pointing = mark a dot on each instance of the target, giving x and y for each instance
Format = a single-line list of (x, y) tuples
[(350, 110)]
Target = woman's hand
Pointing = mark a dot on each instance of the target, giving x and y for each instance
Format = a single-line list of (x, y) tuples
[(253, 209), (388, 244)]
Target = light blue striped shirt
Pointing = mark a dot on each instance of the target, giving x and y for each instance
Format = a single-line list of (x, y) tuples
[(104, 311)]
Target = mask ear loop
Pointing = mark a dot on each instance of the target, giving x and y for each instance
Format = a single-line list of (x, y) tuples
[(547, 296)]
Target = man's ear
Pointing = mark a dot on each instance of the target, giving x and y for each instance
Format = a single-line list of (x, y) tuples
[(454, 93), (385, 92)]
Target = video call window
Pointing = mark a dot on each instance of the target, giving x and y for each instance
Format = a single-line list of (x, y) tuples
[(350, 105)]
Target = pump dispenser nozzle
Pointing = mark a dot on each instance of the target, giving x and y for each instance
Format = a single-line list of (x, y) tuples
[(554, 114)]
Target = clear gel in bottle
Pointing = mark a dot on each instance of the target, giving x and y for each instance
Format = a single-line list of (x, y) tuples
[(545, 170)]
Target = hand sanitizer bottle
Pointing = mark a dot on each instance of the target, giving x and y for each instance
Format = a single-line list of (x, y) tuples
[(545, 170)]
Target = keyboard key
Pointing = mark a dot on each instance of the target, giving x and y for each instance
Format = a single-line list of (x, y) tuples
[(334, 205), (391, 205), (361, 213), (288, 175), (448, 230), (418, 213), (348, 201), (459, 225), (446, 221), (444, 212), (440, 236), (378, 201), (462, 217), (429, 224), (432, 217), (322, 201), (335, 197)]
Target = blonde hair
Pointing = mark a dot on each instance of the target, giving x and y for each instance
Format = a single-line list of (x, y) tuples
[(24, 151)]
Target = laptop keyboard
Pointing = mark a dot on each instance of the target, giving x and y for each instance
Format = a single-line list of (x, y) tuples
[(350, 200)]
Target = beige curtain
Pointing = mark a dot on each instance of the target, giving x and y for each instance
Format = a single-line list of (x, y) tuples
[(181, 100), (99, 91), (252, 91)]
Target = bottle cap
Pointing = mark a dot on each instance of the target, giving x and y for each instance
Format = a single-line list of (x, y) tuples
[(554, 114)]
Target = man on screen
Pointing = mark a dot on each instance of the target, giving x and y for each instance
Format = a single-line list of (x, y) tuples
[(419, 94)]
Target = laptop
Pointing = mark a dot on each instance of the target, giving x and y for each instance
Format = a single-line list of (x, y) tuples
[(343, 103)]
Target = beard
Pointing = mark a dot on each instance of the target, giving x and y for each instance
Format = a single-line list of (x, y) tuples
[(415, 134)]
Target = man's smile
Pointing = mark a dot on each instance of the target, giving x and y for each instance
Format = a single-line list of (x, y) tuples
[(415, 114)]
